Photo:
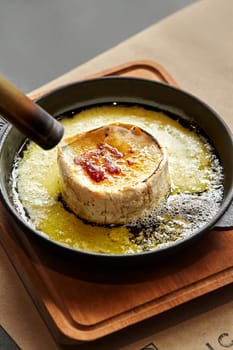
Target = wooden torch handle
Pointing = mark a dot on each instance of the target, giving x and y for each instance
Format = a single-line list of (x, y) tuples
[(28, 117)]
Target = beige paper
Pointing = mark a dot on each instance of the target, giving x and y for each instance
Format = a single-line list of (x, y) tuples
[(18, 315), (207, 329)]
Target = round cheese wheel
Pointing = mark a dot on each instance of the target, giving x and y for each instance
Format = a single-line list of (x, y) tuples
[(114, 174)]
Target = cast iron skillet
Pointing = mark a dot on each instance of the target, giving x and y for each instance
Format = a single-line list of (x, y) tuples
[(135, 91)]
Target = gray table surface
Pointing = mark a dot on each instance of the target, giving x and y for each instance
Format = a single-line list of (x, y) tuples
[(41, 40)]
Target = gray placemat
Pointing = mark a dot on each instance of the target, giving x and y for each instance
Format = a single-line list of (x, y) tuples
[(6, 342)]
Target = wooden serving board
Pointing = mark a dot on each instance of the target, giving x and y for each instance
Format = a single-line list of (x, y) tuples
[(77, 309)]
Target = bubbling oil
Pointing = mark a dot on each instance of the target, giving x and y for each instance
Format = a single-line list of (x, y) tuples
[(196, 191)]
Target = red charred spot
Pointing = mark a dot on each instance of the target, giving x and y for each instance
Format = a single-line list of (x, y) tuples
[(100, 162), (106, 148), (111, 167), (130, 162), (95, 172)]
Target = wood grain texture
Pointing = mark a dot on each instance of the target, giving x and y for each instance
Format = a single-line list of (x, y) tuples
[(77, 309)]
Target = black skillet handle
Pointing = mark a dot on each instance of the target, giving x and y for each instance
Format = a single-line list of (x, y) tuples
[(3, 127), (226, 221)]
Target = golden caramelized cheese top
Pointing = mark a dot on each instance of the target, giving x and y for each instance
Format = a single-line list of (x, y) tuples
[(114, 154)]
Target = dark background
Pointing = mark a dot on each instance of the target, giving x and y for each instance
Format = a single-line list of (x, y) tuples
[(42, 39)]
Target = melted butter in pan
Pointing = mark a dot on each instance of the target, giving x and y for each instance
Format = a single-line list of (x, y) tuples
[(196, 194)]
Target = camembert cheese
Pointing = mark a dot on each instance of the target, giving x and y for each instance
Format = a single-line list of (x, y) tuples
[(114, 174)]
